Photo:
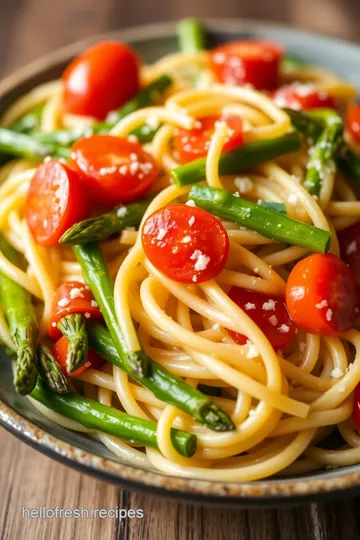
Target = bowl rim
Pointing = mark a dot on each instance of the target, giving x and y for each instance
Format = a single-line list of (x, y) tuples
[(292, 490)]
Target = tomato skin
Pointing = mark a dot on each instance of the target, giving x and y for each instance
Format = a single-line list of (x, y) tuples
[(80, 304), (193, 144), (356, 407), (303, 97), (353, 122), (185, 243), (253, 302), (349, 240), (60, 349), (116, 170), (101, 79), (55, 201), (321, 295), (250, 61)]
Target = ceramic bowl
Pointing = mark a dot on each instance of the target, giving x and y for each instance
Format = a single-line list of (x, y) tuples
[(76, 450)]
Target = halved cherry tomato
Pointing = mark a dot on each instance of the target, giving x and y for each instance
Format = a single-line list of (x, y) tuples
[(195, 143), (302, 97), (56, 200), (71, 297), (60, 350), (117, 170), (349, 240), (356, 407), (185, 243), (321, 295), (250, 61), (101, 79), (268, 312), (353, 122)]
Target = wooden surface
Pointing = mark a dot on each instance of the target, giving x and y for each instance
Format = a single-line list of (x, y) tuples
[(28, 29)]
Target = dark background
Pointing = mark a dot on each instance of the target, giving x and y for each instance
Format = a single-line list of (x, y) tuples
[(29, 29)]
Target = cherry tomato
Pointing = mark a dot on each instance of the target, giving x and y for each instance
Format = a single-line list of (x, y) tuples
[(302, 97), (252, 62), (356, 407), (101, 79), (349, 240), (185, 243), (353, 122), (268, 312), (56, 200), (321, 295), (71, 297), (117, 170), (60, 350), (195, 143)]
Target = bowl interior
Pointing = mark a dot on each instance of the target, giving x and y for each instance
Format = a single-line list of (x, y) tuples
[(152, 42)]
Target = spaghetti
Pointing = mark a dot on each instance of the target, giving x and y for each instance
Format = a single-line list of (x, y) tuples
[(283, 403)]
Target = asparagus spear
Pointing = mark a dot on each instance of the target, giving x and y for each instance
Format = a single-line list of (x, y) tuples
[(51, 372), (164, 385), (73, 327), (237, 160), (311, 125), (29, 122), (291, 62), (323, 155), (23, 325), (150, 95), (19, 144), (97, 277), (94, 415), (268, 223), (101, 227), (191, 36)]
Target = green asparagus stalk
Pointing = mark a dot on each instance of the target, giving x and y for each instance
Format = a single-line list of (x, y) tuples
[(150, 95), (51, 372), (237, 160), (311, 125), (323, 154), (23, 326), (19, 144), (73, 327), (165, 386), (101, 227), (266, 222), (94, 415), (29, 122), (191, 36), (96, 274)]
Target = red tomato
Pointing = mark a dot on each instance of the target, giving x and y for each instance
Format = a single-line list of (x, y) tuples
[(268, 312), (356, 407), (60, 350), (303, 97), (321, 295), (117, 170), (185, 243), (194, 143), (349, 240), (56, 200), (252, 62), (71, 297), (353, 122), (101, 79)]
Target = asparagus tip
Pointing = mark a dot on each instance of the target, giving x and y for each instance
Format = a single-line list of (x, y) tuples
[(217, 419), (51, 372), (26, 370), (138, 363), (77, 352)]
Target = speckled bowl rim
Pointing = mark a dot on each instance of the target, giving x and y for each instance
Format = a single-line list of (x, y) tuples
[(338, 483)]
